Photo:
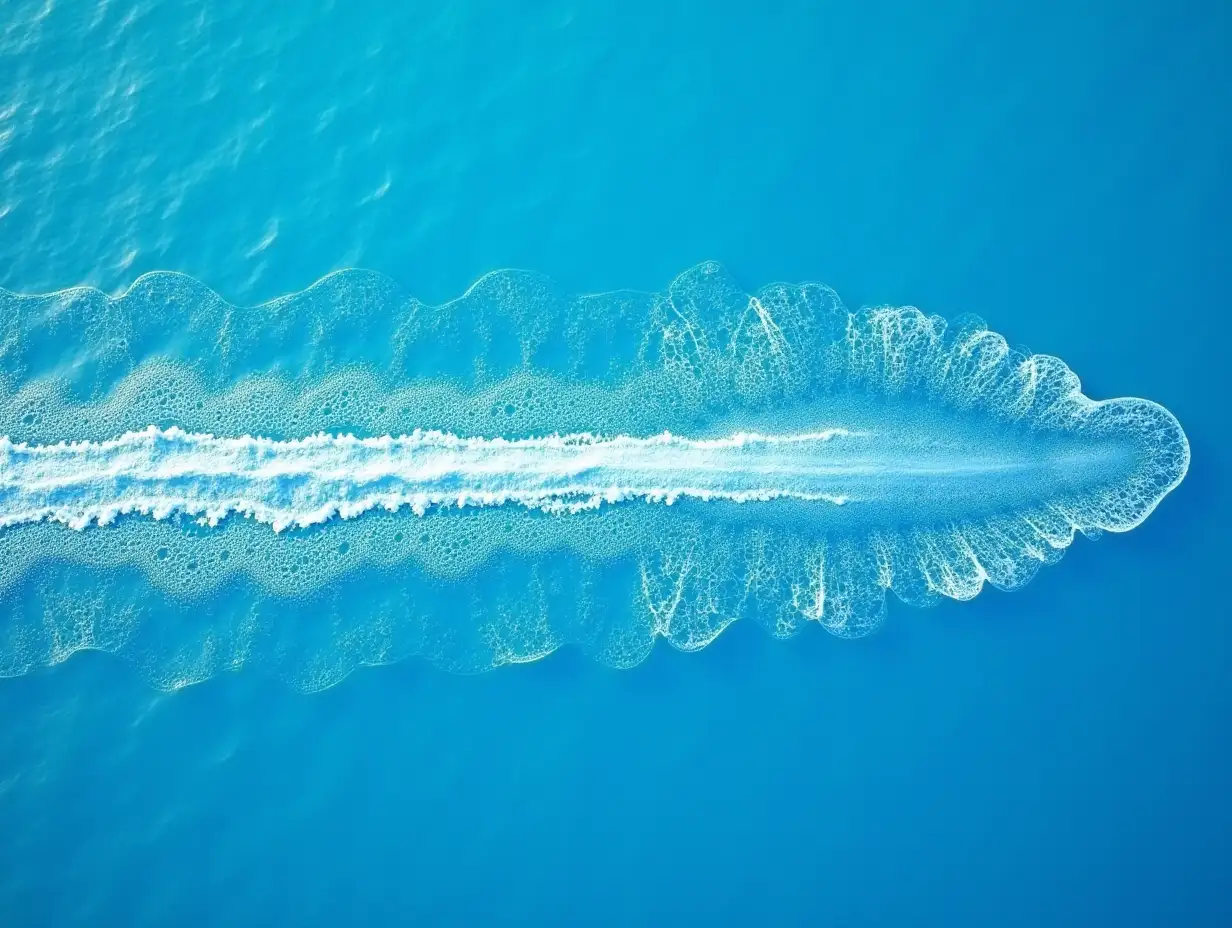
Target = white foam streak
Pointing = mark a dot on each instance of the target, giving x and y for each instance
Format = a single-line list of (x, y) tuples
[(301, 482)]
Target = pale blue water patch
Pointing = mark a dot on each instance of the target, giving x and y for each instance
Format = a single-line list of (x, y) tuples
[(1056, 756), (518, 471)]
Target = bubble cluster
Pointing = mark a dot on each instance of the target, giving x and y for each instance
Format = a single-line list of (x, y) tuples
[(980, 464)]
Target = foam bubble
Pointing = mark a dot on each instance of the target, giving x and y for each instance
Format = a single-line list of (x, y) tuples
[(347, 476)]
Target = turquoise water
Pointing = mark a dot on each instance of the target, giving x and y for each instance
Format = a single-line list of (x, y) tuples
[(1050, 756)]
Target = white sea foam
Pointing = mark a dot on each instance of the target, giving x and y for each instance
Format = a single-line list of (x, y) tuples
[(308, 481), (519, 469)]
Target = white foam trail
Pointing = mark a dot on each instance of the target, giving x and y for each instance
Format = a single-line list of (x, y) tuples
[(307, 481)]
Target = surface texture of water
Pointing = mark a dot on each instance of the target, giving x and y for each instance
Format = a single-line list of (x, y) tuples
[(1055, 756)]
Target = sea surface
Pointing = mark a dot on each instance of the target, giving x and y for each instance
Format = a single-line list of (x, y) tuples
[(1059, 755)]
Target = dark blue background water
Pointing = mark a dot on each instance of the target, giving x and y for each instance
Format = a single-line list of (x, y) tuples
[(1054, 756)]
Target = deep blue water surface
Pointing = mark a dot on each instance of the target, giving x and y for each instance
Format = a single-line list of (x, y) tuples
[(1060, 755)]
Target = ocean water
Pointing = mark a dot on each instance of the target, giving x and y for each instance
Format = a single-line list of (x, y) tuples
[(1054, 755)]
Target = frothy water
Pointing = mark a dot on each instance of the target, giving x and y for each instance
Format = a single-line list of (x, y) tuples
[(308, 481), (212, 473)]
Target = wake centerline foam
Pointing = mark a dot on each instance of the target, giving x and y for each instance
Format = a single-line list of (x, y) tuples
[(303, 482), (481, 482)]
